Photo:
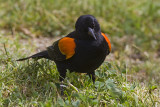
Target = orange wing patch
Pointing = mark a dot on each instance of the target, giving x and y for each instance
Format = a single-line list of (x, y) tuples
[(67, 46), (107, 40)]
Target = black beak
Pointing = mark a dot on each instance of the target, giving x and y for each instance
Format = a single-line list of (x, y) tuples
[(91, 32)]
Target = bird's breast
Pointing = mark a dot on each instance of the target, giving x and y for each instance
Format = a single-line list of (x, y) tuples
[(88, 55)]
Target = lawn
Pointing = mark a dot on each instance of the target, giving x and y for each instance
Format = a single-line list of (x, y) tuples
[(128, 77)]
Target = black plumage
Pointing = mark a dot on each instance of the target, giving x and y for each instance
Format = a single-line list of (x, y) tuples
[(91, 49)]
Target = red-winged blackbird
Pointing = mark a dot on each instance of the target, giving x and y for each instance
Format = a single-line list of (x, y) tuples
[(82, 50)]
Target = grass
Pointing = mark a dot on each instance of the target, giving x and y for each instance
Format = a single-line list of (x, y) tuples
[(128, 77)]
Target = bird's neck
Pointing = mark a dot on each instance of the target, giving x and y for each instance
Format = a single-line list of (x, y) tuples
[(85, 36)]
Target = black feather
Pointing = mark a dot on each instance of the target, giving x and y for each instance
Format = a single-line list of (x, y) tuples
[(43, 54)]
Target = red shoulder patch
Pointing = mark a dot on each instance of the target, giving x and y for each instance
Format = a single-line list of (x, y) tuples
[(107, 40), (67, 46)]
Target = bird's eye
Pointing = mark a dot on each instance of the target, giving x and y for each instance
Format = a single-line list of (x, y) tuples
[(92, 25)]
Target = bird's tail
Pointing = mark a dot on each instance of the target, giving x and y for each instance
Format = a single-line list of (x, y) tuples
[(43, 54)]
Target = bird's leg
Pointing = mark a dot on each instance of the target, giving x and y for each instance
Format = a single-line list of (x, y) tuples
[(61, 78), (92, 76)]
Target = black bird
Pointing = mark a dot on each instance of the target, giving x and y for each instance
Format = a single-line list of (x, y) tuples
[(82, 50)]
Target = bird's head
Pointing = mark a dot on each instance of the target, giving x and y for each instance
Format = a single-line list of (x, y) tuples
[(88, 25)]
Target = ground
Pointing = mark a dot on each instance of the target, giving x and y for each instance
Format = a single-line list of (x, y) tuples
[(128, 77)]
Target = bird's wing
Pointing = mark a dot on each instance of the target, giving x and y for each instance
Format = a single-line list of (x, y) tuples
[(62, 49), (107, 40)]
